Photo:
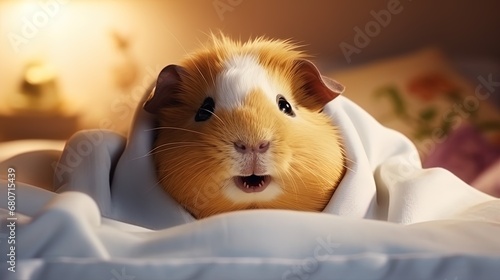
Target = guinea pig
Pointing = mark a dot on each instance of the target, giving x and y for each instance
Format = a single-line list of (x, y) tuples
[(241, 126)]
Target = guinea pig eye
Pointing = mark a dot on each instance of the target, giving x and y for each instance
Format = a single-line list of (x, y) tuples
[(284, 106), (206, 110)]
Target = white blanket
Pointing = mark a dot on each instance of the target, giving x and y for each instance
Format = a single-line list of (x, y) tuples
[(389, 219)]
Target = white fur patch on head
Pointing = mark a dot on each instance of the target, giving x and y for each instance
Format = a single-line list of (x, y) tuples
[(241, 75)]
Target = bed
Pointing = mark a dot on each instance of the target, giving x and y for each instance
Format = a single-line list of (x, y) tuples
[(104, 217)]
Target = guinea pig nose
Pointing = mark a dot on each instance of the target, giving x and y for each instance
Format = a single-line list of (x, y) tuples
[(241, 147), (260, 147)]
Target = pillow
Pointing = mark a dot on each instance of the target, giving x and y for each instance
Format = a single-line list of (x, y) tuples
[(421, 95)]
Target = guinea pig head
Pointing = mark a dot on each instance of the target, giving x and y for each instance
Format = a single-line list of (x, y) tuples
[(240, 126)]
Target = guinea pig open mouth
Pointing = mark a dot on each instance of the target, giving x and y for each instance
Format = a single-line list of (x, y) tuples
[(252, 183)]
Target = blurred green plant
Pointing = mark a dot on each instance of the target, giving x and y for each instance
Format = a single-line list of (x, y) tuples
[(430, 118)]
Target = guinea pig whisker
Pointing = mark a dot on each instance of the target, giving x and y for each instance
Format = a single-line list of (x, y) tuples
[(346, 162), (198, 69), (212, 76), (197, 144), (347, 167), (151, 187), (155, 150), (217, 117), (184, 166), (172, 148), (348, 159), (293, 186), (295, 170), (201, 74), (177, 40), (188, 167), (317, 172), (176, 128), (186, 52)]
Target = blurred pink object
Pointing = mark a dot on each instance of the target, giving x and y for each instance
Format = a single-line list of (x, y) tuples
[(471, 157), (489, 181)]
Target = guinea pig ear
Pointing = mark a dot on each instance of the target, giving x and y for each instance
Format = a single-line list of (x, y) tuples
[(319, 90), (167, 83)]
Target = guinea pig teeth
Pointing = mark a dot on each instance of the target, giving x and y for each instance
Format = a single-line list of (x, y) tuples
[(252, 183)]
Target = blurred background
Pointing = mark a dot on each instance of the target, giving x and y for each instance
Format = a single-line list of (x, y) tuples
[(430, 69)]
